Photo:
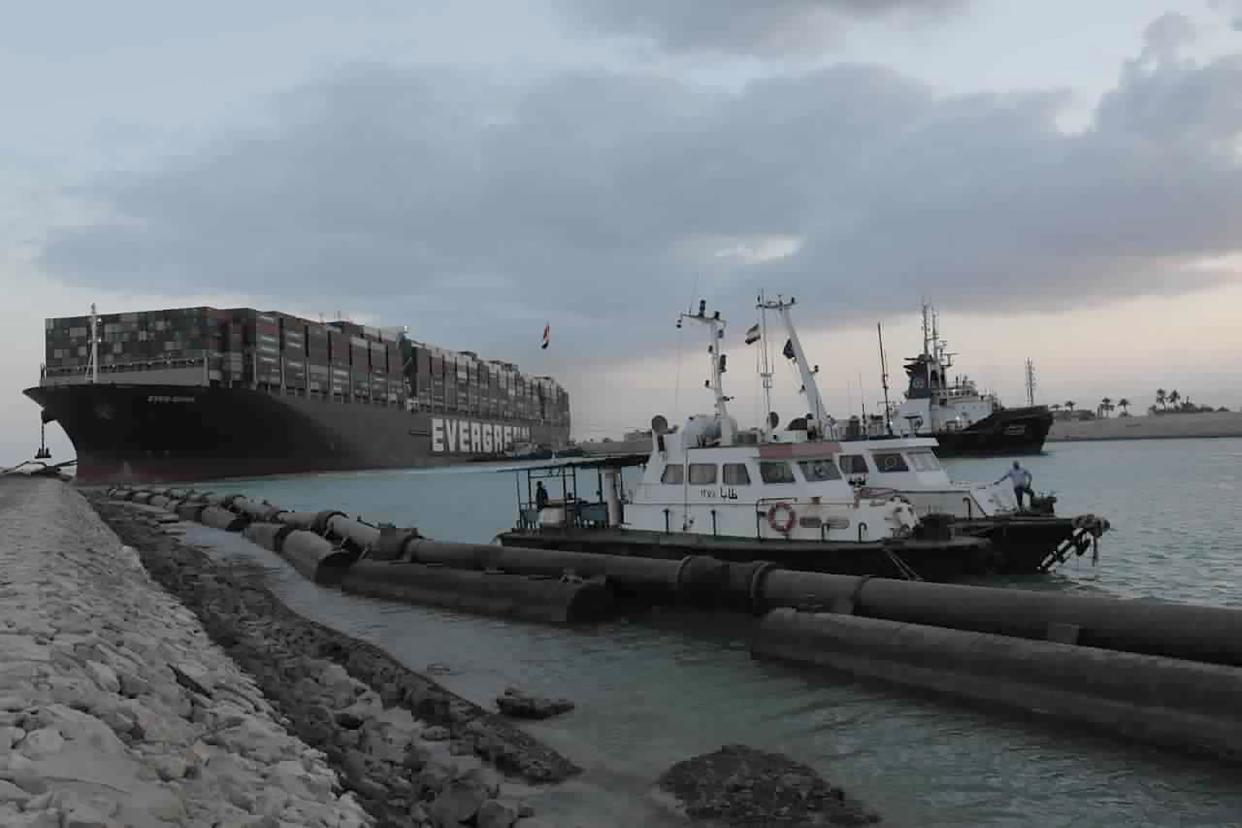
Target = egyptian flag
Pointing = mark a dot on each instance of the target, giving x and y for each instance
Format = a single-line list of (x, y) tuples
[(752, 334), (547, 336)]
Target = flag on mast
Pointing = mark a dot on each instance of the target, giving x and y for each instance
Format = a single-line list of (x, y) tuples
[(752, 333), (547, 336)]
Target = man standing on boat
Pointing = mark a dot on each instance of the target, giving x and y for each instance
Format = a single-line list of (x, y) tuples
[(541, 496), (1021, 479)]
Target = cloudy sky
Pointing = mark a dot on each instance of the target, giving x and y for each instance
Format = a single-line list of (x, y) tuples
[(1061, 179)]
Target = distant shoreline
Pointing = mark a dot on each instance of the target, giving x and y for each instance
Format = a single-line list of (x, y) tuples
[(1158, 427)]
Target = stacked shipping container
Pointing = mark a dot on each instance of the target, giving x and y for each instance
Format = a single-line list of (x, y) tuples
[(175, 338), (338, 360)]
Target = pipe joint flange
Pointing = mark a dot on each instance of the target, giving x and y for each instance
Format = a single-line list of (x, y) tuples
[(755, 588), (320, 524)]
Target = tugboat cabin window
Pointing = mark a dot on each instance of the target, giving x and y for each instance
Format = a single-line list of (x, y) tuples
[(776, 471), (702, 474), (923, 460), (890, 462), (853, 463), (817, 470), (735, 474), (672, 474)]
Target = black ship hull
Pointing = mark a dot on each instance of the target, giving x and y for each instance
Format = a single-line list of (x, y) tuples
[(1005, 432), (935, 560), (174, 433)]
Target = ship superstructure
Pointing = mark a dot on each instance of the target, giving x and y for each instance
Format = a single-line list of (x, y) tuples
[(964, 420)]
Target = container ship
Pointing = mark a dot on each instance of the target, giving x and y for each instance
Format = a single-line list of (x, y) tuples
[(203, 393)]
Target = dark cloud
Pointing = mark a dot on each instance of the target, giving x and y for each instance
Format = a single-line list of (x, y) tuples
[(770, 27), (603, 202)]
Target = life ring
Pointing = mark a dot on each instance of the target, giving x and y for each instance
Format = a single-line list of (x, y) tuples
[(781, 517)]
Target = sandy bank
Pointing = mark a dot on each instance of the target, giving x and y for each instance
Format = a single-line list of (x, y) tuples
[(1162, 427), (115, 706)]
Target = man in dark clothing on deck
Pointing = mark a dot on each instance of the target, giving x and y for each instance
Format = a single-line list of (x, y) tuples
[(1021, 479), (541, 496)]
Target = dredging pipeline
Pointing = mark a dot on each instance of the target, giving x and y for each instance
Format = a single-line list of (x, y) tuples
[(1206, 634), (1160, 672), (1176, 703)]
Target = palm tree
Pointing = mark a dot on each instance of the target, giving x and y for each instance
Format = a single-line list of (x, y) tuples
[(1106, 405), (1174, 398), (1160, 397), (1124, 405), (1055, 406), (1069, 404)]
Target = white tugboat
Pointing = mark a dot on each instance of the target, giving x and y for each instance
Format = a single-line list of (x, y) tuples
[(754, 494), (710, 478), (888, 462), (905, 465)]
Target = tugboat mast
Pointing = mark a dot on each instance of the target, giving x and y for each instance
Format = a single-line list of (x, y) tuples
[(765, 371), (715, 326)]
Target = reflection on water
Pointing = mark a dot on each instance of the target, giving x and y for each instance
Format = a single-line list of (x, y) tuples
[(656, 690)]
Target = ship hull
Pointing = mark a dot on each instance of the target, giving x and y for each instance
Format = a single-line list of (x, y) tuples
[(1006, 432), (153, 433)]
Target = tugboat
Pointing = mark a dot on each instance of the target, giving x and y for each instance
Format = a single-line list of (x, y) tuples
[(743, 495), (1024, 540), (965, 422)]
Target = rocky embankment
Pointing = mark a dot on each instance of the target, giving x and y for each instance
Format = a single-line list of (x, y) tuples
[(411, 752), (115, 707)]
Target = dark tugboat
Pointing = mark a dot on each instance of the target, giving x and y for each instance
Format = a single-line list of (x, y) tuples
[(965, 422)]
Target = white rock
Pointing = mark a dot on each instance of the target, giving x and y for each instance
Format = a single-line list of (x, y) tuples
[(496, 813), (36, 819), (171, 768), (9, 736), (42, 742), (104, 676), (83, 729), (11, 793)]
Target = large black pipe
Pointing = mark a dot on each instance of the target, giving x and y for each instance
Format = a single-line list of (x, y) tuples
[(218, 517), (1210, 634), (298, 520), (551, 600), (392, 542), (259, 510), (651, 578), (190, 510), (268, 535), (1184, 704), (315, 557), (359, 536)]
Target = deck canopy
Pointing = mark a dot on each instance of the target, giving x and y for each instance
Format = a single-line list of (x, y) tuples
[(598, 461)]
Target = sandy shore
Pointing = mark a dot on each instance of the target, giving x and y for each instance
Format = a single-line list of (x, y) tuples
[(1163, 427)]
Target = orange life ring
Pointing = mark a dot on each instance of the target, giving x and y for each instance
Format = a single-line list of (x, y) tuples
[(778, 523)]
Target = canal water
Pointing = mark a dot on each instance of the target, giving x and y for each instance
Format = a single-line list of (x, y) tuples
[(653, 691)]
